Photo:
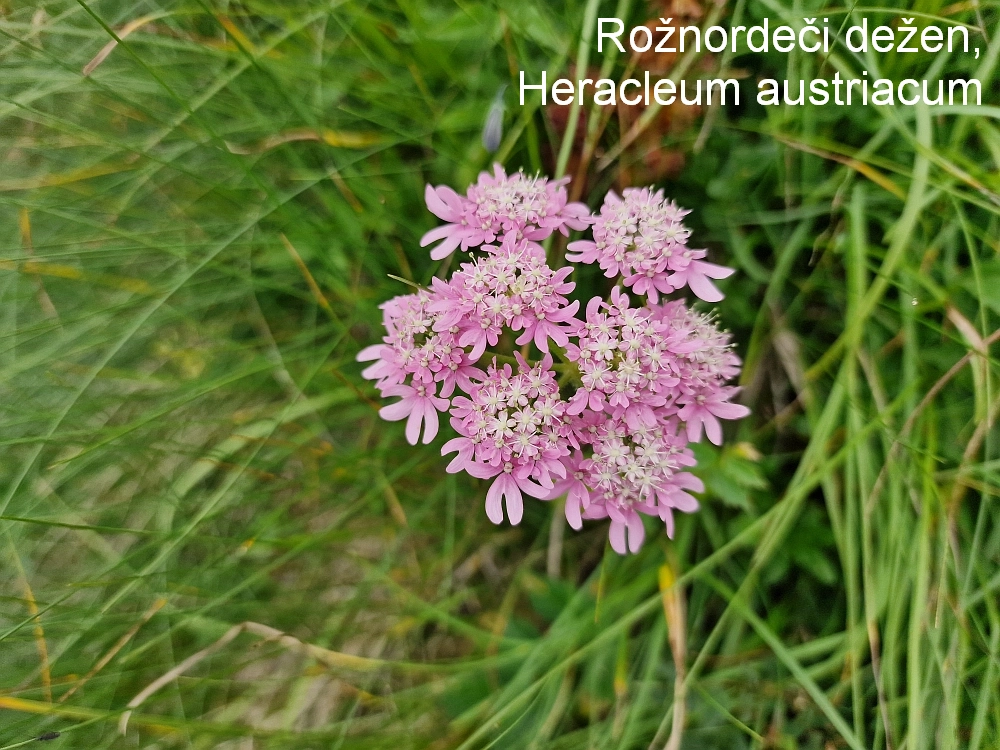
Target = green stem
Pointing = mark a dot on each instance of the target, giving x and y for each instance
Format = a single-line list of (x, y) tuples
[(582, 59)]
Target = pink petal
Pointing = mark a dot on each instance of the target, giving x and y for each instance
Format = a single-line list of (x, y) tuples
[(479, 347), (725, 410), (577, 403), (437, 233), (494, 506), (374, 372), (541, 339), (636, 532), (446, 248), (444, 203), (431, 424), (535, 490), (683, 502), (689, 482), (537, 234), (396, 411), (694, 429), (712, 270), (558, 488), (464, 447), (398, 390), (583, 251), (370, 352), (713, 429), (434, 204), (482, 471), (573, 512), (515, 507), (616, 513), (704, 288), (616, 534), (596, 401), (413, 423), (525, 337)]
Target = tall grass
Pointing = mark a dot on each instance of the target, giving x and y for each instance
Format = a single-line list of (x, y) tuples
[(205, 524)]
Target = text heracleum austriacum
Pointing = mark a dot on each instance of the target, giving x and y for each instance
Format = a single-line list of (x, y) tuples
[(810, 38)]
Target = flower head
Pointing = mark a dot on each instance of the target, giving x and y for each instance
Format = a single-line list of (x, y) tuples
[(513, 288), (703, 367), (626, 358), (498, 206), (413, 359), (629, 470), (641, 238), (418, 406), (511, 427), (635, 385)]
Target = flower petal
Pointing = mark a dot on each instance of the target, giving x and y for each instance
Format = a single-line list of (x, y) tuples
[(437, 233), (668, 518), (712, 270), (683, 502), (636, 532), (437, 206), (515, 507), (464, 447), (694, 428), (704, 288), (370, 352), (481, 470), (689, 482), (431, 423), (713, 429), (396, 411), (414, 421), (616, 534), (573, 516), (535, 490), (726, 410), (494, 504), (446, 248)]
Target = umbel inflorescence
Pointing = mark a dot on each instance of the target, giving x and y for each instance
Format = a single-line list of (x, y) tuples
[(605, 412)]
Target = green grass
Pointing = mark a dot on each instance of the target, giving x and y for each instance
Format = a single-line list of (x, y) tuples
[(196, 236)]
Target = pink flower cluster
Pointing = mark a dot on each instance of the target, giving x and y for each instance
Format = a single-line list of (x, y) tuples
[(605, 413), (512, 427), (641, 238), (511, 287), (518, 206)]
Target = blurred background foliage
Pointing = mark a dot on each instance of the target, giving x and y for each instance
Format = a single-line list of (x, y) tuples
[(202, 204)]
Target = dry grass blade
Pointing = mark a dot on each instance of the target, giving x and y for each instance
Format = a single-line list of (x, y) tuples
[(118, 646), (38, 631), (317, 293), (672, 594), (322, 655), (44, 301), (125, 30), (859, 166), (334, 138)]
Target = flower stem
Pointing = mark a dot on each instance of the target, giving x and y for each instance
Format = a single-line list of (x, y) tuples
[(582, 59)]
